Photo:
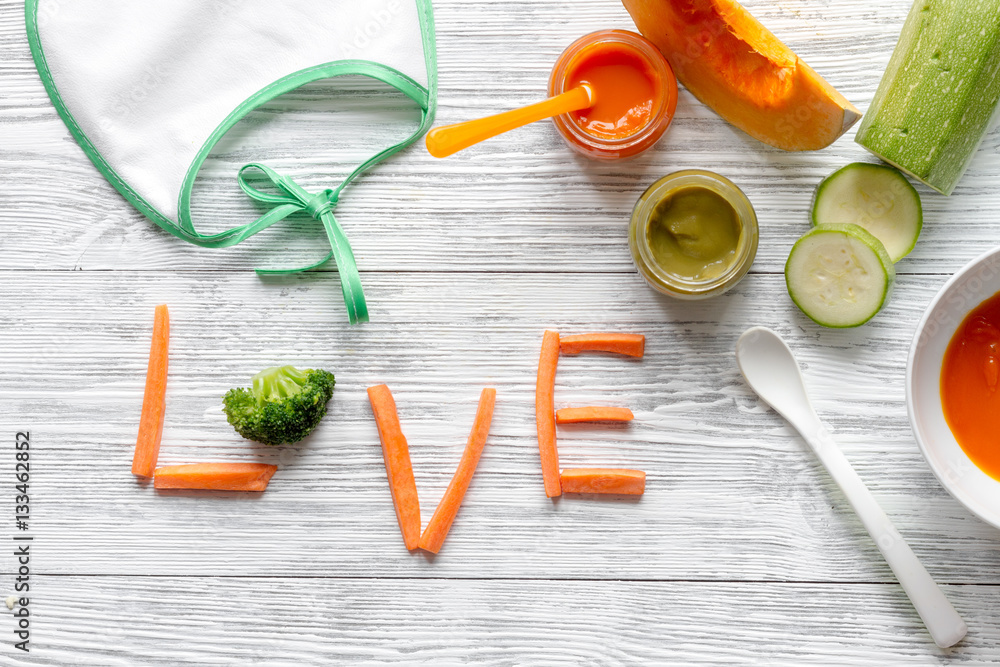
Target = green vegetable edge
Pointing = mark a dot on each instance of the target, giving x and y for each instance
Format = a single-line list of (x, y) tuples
[(866, 237), (880, 167)]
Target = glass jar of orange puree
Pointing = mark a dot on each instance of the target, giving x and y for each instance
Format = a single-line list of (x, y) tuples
[(634, 87)]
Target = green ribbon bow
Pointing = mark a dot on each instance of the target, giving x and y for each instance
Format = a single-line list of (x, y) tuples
[(320, 206)]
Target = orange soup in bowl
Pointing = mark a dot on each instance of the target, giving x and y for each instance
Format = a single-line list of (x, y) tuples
[(970, 386)]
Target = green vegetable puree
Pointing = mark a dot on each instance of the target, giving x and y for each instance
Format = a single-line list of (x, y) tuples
[(693, 233)]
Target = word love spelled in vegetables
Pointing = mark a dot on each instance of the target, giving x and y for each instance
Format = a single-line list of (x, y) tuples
[(283, 405)]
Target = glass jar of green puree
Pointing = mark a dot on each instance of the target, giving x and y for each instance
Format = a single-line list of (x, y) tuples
[(693, 234)]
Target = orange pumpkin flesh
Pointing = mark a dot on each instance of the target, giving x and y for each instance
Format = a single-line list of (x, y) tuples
[(732, 63)]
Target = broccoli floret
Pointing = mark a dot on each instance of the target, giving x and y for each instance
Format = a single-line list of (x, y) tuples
[(284, 405)]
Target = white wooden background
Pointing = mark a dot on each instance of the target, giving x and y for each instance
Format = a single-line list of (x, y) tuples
[(740, 552)]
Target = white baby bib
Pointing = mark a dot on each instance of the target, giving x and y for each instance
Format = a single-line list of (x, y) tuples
[(148, 88)]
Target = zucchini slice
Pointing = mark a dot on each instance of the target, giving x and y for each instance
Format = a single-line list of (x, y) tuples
[(839, 275), (876, 197)]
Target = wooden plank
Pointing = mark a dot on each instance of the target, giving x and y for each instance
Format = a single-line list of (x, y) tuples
[(521, 203), (236, 621), (731, 493)]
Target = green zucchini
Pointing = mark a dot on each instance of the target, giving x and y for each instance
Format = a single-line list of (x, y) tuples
[(940, 91), (839, 275), (876, 197)]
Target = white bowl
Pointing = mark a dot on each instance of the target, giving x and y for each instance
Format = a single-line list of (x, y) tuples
[(976, 282)]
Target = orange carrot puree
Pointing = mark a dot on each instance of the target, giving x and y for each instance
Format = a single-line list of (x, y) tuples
[(624, 85), (970, 386)]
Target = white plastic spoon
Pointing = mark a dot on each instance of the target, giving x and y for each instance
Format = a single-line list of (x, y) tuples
[(770, 369)]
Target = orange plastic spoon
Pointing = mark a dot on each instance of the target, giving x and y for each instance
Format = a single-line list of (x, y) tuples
[(447, 139)]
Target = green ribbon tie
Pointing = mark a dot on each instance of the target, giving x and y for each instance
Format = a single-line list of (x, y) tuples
[(294, 199)]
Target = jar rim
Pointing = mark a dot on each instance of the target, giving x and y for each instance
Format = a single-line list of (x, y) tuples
[(642, 255)]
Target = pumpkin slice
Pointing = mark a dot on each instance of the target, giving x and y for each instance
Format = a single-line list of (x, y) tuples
[(732, 63)]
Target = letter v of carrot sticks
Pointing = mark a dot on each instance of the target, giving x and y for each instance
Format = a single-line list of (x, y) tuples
[(147, 443), (447, 509), (398, 468)]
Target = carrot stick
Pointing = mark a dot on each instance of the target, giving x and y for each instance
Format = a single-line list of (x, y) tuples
[(147, 443), (545, 412), (215, 476), (398, 468), (604, 480), (444, 515), (632, 345), (593, 413)]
